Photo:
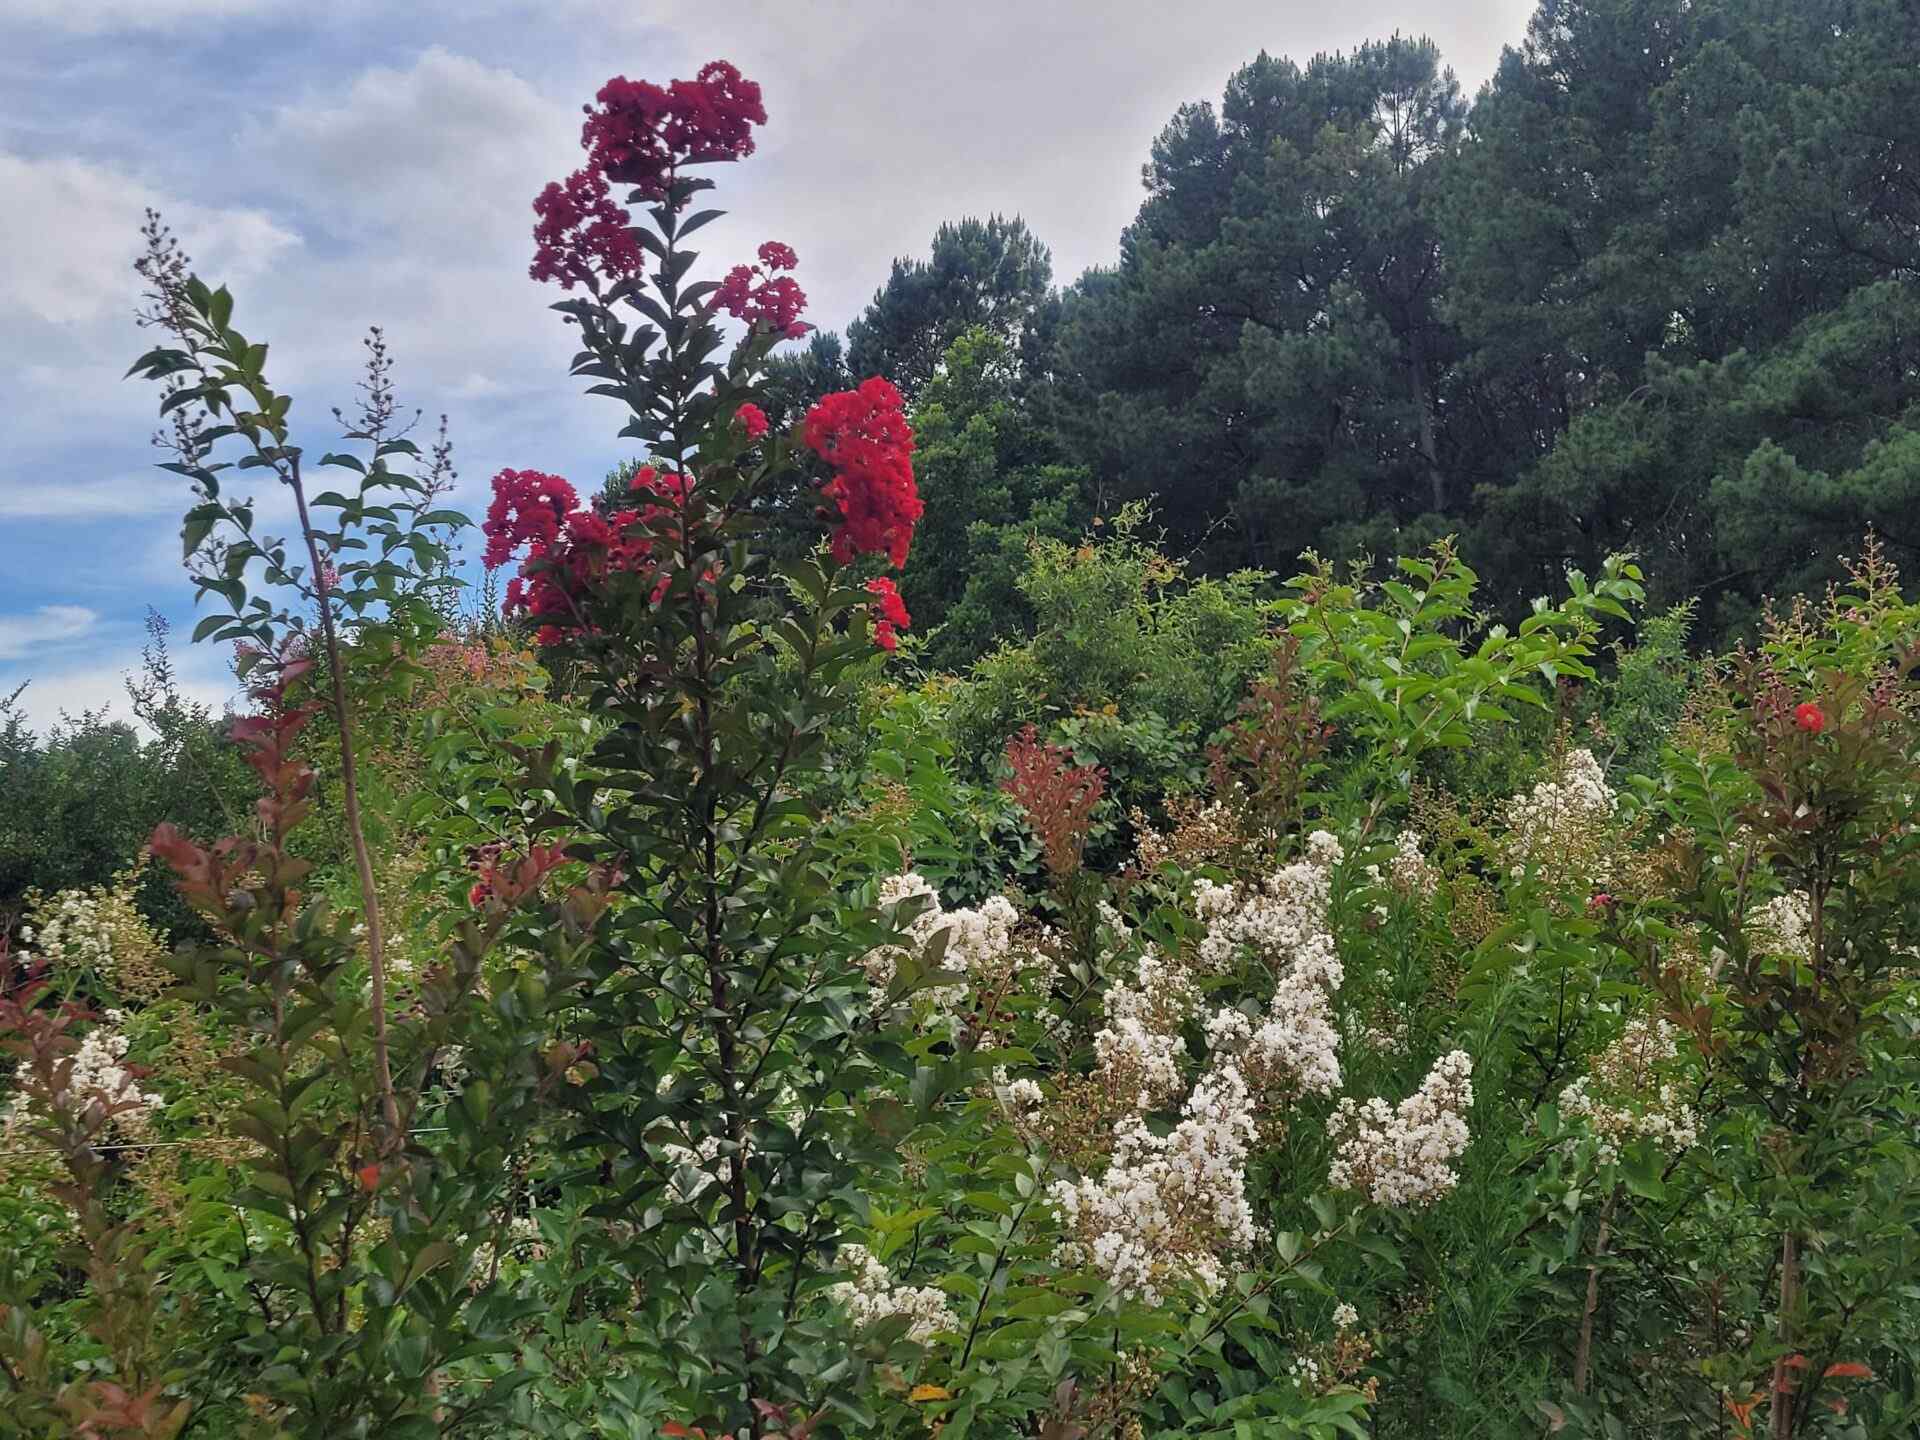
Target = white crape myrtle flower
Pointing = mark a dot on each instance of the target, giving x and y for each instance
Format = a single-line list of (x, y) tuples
[(521, 1239), (1409, 871), (1170, 1209), (870, 1296), (1295, 1048), (99, 1072), (1566, 807), (1020, 1097), (979, 942), (1621, 1098), (1403, 1155), (1285, 915), (1785, 924), (1140, 1042), (1345, 1317), (73, 932)]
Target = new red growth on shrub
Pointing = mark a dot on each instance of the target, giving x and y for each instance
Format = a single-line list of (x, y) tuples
[(1057, 795)]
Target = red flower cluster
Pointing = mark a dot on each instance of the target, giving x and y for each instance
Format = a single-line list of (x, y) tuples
[(1809, 717), (863, 434), (582, 234), (528, 509), (889, 613), (571, 550), (752, 419), (759, 295), (639, 134)]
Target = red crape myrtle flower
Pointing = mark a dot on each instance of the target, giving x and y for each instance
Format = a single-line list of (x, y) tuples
[(758, 294), (863, 434), (639, 134), (528, 508), (752, 419), (889, 613), (582, 235), (1809, 717), (571, 551)]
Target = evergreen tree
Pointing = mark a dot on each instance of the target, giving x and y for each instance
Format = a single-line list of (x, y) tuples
[(992, 480), (1268, 359), (991, 273)]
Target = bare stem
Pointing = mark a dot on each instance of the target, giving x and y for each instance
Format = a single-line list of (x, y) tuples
[(356, 830), (1583, 1352)]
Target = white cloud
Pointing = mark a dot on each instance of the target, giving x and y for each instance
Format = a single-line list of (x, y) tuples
[(73, 230), (22, 634), (102, 685), (95, 17), (449, 153), (61, 499)]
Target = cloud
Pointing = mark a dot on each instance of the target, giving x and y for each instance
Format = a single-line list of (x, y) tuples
[(75, 229), (61, 499), (101, 685), (95, 17), (23, 634), (448, 152)]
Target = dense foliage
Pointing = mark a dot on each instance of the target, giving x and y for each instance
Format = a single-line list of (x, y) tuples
[(881, 931), (1651, 290)]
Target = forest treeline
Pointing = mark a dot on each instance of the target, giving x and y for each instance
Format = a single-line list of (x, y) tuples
[(1652, 290)]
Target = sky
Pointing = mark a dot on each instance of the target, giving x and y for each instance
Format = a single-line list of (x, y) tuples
[(367, 162)]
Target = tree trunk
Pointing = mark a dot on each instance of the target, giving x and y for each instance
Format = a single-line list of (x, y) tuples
[(1423, 408), (1583, 1352), (1780, 1412)]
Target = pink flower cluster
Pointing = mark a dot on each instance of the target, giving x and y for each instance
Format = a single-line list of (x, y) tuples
[(760, 295), (752, 419), (570, 550), (638, 134), (889, 613), (581, 234)]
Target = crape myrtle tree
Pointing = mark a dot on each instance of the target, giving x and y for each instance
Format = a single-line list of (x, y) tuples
[(726, 1104), (368, 1172)]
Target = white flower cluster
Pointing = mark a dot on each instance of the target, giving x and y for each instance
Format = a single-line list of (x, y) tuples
[(1021, 1097), (1632, 1102), (871, 1296), (1409, 871), (99, 1073), (1785, 925), (979, 943), (1295, 1049), (1345, 1317), (1168, 1209), (1284, 917), (73, 931), (1139, 1047), (1403, 1155), (521, 1239), (1561, 813), (1173, 1210)]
